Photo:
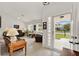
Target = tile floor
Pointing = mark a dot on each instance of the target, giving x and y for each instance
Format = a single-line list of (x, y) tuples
[(33, 49), (63, 42)]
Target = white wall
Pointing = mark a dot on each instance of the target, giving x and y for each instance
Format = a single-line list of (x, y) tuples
[(33, 22), (76, 26)]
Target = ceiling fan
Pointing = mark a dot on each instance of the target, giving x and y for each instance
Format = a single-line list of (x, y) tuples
[(46, 3)]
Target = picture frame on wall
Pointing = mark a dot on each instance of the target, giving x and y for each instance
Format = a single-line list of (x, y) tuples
[(44, 25), (34, 27), (16, 26)]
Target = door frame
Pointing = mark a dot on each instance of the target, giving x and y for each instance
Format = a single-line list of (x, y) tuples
[(71, 30)]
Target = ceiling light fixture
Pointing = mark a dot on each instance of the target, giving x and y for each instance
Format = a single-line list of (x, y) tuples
[(45, 3)]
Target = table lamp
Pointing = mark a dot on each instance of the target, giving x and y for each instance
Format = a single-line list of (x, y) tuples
[(12, 32)]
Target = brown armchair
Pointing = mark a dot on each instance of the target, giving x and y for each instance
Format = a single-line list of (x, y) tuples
[(14, 46)]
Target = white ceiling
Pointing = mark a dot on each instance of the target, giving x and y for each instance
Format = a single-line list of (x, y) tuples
[(27, 11)]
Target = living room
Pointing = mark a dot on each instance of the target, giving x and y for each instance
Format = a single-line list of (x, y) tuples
[(27, 28), (15, 16)]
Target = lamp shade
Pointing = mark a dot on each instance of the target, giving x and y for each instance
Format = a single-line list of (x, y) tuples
[(12, 32), (6, 29)]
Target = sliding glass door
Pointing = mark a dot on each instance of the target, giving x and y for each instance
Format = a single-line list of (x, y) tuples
[(63, 28)]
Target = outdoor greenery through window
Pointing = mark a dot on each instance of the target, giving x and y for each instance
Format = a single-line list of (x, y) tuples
[(62, 27)]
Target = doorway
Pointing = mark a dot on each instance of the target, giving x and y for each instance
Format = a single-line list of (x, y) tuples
[(62, 31)]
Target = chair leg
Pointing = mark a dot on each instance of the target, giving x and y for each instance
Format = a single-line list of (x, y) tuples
[(10, 53), (25, 50)]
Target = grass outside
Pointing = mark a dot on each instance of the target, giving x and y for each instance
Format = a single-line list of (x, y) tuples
[(59, 36), (61, 31)]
